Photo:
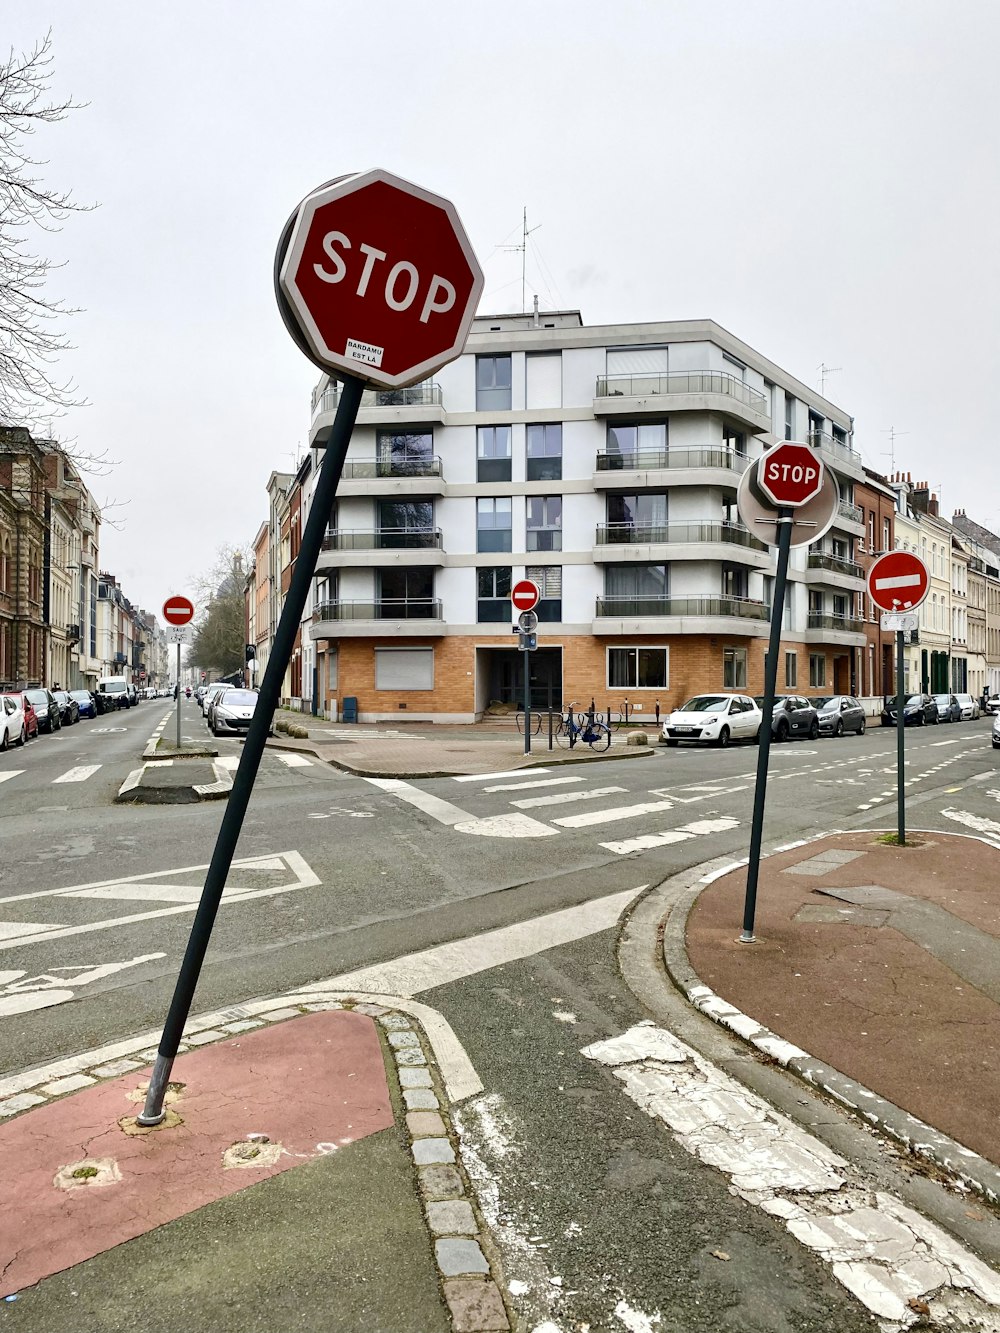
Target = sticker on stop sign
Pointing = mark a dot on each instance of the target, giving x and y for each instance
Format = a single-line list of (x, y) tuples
[(376, 278)]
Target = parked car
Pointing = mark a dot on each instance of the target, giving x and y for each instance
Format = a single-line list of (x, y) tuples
[(114, 691), (714, 719), (949, 709), (996, 731), (993, 704), (212, 702), (233, 711), (85, 702), (793, 716), (12, 728), (30, 716), (49, 712), (69, 709), (918, 710), (838, 713), (970, 708)]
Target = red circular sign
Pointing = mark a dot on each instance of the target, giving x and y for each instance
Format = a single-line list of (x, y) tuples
[(178, 610), (525, 595), (380, 278), (790, 474), (898, 581)]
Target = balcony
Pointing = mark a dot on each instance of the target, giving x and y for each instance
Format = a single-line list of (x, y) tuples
[(405, 475), (402, 546), (417, 405), (646, 468), (681, 615), (120, 659), (682, 391), (835, 565), (73, 633), (852, 512), (615, 542), (838, 453), (843, 624), (392, 617)]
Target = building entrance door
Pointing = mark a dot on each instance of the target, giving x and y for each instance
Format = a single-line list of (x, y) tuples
[(505, 678)]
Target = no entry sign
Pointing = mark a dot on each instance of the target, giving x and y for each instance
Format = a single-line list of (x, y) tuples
[(525, 595), (898, 581), (178, 610), (790, 474), (376, 278)]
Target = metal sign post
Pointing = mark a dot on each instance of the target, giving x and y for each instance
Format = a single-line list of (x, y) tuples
[(902, 623), (178, 696)]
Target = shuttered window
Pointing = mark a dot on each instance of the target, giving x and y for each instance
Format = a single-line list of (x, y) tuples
[(404, 668)]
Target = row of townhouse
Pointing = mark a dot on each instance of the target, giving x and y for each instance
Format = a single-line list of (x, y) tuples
[(602, 463), (60, 623)]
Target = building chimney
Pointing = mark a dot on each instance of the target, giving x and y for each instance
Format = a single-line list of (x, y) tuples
[(920, 498), (932, 506), (535, 320)]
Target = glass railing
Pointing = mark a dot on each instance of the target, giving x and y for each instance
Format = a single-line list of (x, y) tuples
[(629, 534), (399, 465), (646, 459), (846, 624), (383, 539), (852, 511), (386, 608), (739, 607), (685, 381), (821, 439), (426, 394), (835, 564)]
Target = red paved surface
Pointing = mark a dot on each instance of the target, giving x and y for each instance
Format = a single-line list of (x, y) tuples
[(312, 1084)]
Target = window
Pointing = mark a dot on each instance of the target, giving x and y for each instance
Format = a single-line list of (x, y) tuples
[(404, 454), (544, 522), (789, 417), (493, 605), (637, 668), (396, 514), (493, 383), (734, 668), (817, 670), (734, 439), (542, 380), (404, 668), (886, 535), (548, 580), (407, 585), (544, 452), (735, 580), (871, 532), (636, 590), (734, 367), (841, 606), (815, 603), (815, 427), (493, 518), (493, 453), (791, 671), (637, 518), (628, 444)]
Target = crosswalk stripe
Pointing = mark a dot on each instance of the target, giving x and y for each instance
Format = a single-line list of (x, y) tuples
[(563, 797), (612, 816), (12, 773), (295, 760), (486, 777), (646, 842), (443, 811), (78, 774), (530, 786)]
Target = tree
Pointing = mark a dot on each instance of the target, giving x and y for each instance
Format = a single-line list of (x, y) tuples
[(30, 339), (220, 631)]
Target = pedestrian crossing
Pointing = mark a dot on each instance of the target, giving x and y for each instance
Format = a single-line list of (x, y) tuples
[(78, 774)]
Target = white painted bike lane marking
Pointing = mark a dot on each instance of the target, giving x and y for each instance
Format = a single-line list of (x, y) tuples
[(79, 774)]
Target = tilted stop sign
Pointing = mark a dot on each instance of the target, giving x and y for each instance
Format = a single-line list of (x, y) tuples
[(790, 474)]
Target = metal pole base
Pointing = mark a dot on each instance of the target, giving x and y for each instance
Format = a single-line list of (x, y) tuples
[(153, 1112), (747, 937)]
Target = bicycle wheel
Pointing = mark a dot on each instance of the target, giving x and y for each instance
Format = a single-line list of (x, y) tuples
[(561, 732), (599, 737)]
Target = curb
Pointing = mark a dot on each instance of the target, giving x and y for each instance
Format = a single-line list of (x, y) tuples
[(636, 752), (132, 792), (920, 1139), (432, 1072)]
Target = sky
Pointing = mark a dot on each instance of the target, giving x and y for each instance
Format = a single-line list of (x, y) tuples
[(822, 179)]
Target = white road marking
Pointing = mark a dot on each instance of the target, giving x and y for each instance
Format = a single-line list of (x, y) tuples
[(443, 811), (79, 774), (22, 994), (529, 786), (11, 930), (295, 760), (488, 777), (977, 822), (12, 773), (702, 826), (562, 797), (646, 841), (229, 761), (506, 826), (613, 815)]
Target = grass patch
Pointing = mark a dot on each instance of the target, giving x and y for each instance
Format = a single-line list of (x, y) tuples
[(892, 840)]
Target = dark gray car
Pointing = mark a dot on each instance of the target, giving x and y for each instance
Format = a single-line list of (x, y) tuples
[(48, 710), (793, 716), (839, 713)]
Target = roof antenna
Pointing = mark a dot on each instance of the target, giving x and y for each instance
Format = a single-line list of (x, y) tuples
[(523, 248), (890, 453), (825, 370)]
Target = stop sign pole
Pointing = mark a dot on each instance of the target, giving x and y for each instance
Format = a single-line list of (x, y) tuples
[(789, 475), (388, 333)]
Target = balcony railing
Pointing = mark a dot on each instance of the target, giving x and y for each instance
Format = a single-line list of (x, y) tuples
[(120, 659), (426, 394), (846, 624), (821, 439), (835, 564), (386, 608), (740, 607), (629, 534), (384, 539), (852, 511), (646, 459), (414, 465), (73, 633), (688, 381)]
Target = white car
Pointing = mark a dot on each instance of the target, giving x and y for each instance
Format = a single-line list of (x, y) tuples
[(12, 726), (993, 704), (996, 731), (970, 709), (714, 719), (211, 691)]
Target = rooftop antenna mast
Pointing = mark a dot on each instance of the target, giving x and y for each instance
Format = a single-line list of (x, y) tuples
[(892, 433), (523, 248), (825, 370)]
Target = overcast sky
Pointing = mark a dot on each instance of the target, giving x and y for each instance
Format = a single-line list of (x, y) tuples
[(820, 178)]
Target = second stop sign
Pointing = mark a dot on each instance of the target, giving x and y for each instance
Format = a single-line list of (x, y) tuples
[(381, 278)]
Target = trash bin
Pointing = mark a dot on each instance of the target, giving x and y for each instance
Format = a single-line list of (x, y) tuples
[(350, 712)]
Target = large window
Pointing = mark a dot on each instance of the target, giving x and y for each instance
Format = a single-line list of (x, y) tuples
[(404, 453), (735, 580), (405, 514), (734, 439), (791, 671), (543, 448), (817, 670), (636, 590), (493, 518), (407, 585), (544, 522), (493, 605), (626, 443), (404, 668), (734, 668), (789, 416), (637, 518), (548, 580), (637, 668), (492, 383), (493, 453)]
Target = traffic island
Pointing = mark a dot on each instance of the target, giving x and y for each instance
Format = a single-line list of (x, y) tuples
[(158, 748), (164, 782)]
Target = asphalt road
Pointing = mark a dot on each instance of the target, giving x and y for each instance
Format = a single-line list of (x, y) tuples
[(596, 1208)]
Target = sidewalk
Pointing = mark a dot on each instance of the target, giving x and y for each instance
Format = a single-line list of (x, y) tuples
[(875, 975)]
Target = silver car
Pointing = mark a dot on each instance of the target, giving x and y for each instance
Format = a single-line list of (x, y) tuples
[(233, 712)]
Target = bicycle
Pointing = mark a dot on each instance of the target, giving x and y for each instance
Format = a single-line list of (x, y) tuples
[(536, 722), (570, 730)]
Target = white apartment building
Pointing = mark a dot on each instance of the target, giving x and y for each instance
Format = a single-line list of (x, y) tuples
[(602, 463)]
